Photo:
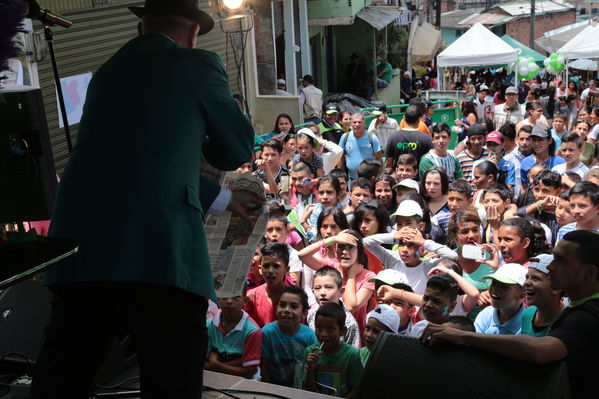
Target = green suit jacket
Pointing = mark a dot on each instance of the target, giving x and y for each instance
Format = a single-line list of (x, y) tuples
[(131, 193)]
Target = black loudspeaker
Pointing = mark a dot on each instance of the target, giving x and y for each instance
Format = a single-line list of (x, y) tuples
[(401, 366), (27, 174), (25, 312)]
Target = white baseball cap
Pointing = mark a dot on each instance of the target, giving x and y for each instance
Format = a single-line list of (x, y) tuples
[(408, 208), (509, 273), (281, 82), (386, 315), (390, 277), (540, 262), (408, 183)]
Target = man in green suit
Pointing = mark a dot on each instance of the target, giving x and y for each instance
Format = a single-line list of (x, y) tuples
[(133, 198)]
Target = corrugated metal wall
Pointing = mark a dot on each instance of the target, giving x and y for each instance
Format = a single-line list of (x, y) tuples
[(96, 34)]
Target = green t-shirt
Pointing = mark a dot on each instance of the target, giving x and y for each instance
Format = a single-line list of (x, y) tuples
[(528, 317), (364, 355), (341, 370), (388, 75)]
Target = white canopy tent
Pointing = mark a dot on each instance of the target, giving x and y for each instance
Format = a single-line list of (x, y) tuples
[(583, 45), (478, 46)]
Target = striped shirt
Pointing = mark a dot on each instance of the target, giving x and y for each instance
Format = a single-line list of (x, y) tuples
[(467, 163), (449, 163), (566, 229)]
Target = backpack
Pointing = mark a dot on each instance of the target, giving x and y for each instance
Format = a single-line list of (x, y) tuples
[(346, 135)]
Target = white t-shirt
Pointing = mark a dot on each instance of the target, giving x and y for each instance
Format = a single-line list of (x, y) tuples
[(581, 170), (384, 130), (594, 132)]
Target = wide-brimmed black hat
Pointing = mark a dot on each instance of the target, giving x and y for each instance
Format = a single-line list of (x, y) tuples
[(180, 8)]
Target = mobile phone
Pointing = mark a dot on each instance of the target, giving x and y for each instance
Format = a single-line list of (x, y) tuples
[(306, 181), (285, 183), (473, 252)]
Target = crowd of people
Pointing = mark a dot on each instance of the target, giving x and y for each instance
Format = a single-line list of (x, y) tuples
[(381, 227)]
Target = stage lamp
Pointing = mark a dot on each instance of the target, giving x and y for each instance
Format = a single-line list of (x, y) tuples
[(225, 10)]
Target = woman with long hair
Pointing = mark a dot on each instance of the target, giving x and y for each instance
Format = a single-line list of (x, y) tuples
[(469, 118), (534, 115), (283, 124)]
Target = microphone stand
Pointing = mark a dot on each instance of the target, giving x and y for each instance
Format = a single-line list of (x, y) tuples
[(50, 39)]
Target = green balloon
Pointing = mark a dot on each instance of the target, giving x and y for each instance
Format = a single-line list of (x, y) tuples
[(530, 75), (560, 67), (531, 59), (553, 63), (553, 56)]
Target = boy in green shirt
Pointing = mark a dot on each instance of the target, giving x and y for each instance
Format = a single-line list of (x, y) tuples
[(332, 367)]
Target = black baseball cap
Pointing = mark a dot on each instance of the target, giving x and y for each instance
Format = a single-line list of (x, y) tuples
[(476, 130), (331, 109)]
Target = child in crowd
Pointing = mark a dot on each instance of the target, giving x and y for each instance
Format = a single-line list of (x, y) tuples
[(504, 316), (468, 294), (405, 187), (361, 190), (352, 264), (330, 223), (520, 239), (547, 187), (333, 366), (563, 213), (328, 188), (234, 339), (306, 144), (328, 288), (439, 156), (262, 301), (593, 175), (459, 196), (545, 303), (369, 169), (382, 318), (526, 197), (434, 186), (371, 218), (384, 193), (301, 190), (285, 340), (406, 168), (254, 277), (571, 150), (559, 128), (392, 290), (584, 202), (270, 170), (411, 242), (484, 175), (277, 231), (496, 200), (438, 302), (244, 169), (343, 194)]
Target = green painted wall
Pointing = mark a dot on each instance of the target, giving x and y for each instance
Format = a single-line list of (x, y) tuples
[(335, 8)]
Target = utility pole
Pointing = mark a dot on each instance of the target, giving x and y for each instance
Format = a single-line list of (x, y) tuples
[(438, 14), (532, 25)]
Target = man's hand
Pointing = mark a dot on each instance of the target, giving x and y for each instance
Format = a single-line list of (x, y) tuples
[(484, 299), (434, 334), (244, 202)]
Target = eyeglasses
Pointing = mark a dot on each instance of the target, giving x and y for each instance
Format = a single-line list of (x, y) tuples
[(346, 247)]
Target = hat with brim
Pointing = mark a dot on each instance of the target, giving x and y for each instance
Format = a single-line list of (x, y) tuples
[(389, 277), (509, 273), (179, 8), (408, 208), (407, 183), (308, 132)]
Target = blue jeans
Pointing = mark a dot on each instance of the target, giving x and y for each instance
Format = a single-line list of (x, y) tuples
[(381, 83)]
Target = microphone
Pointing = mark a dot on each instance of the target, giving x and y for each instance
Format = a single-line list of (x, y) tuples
[(47, 17)]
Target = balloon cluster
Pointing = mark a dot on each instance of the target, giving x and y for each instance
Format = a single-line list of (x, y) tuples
[(555, 63), (526, 67)]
